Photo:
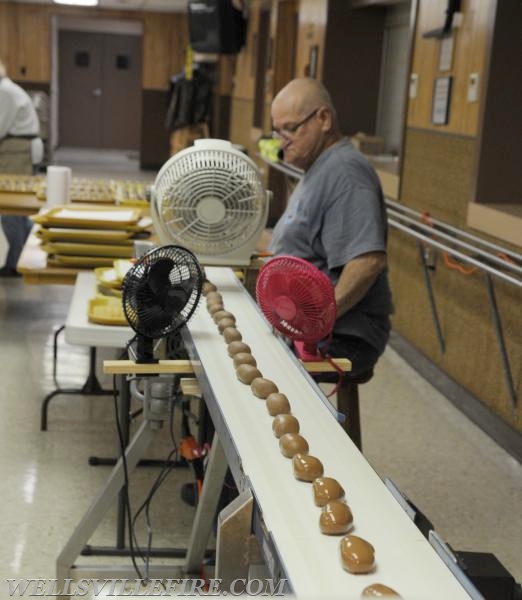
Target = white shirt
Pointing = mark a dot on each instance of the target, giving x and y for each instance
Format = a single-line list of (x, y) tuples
[(17, 113)]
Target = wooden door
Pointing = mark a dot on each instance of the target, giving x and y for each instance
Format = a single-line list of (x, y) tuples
[(99, 90)]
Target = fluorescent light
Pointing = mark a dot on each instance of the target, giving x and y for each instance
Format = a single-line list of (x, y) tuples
[(78, 2)]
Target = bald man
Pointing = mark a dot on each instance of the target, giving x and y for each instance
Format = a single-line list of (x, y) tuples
[(335, 219)]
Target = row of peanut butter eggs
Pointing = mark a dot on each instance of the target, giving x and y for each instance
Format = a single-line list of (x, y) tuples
[(336, 518)]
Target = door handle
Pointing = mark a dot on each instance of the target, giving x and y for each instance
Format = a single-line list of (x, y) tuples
[(97, 92)]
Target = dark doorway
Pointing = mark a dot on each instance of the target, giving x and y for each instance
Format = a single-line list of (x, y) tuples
[(99, 90)]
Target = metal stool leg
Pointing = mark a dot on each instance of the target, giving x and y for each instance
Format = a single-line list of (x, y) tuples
[(348, 403)]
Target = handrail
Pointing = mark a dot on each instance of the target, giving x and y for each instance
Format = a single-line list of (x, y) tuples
[(463, 257), (428, 228), (459, 232)]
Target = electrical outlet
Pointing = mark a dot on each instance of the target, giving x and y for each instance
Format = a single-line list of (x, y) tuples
[(473, 87), (414, 78)]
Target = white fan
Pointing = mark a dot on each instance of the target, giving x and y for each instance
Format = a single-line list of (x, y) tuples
[(210, 199)]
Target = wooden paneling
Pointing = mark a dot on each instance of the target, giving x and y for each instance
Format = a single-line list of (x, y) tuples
[(245, 75), (354, 83), (283, 31), (7, 36), (226, 69), (313, 16), (471, 43), (241, 124), (165, 39), (154, 149), (498, 178), (33, 43)]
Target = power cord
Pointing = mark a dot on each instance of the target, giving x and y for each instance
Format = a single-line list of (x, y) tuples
[(128, 511), (162, 476)]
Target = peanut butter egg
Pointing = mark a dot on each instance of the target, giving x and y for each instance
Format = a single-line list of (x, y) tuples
[(336, 518), (237, 346), (231, 334), (263, 387), (214, 298), (247, 373), (207, 287), (226, 322), (222, 314), (291, 444), (326, 489), (284, 423), (306, 467), (357, 555), (244, 358), (214, 308), (277, 404), (378, 590)]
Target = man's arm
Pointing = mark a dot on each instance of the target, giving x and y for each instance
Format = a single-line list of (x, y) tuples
[(357, 277)]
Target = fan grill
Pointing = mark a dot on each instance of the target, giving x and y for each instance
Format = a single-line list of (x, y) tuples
[(296, 298), (161, 291), (211, 200)]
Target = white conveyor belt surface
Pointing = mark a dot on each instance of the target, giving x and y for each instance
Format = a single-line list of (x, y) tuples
[(405, 560)]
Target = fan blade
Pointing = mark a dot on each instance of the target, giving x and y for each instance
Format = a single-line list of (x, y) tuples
[(154, 320), (158, 274), (175, 299)]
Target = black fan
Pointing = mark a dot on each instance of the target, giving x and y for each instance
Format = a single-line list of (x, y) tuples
[(159, 294)]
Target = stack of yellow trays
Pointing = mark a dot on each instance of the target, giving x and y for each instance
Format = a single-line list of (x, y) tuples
[(83, 236)]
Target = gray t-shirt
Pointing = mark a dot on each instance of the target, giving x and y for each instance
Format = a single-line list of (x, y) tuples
[(335, 214)]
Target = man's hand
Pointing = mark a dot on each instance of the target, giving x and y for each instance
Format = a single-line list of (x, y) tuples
[(264, 241)]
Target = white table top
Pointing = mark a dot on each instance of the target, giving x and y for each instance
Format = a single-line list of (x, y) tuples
[(405, 560), (79, 331)]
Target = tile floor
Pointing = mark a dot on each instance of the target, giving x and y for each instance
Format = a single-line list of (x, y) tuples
[(465, 483)]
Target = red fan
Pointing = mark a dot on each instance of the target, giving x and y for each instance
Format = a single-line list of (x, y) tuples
[(298, 300)]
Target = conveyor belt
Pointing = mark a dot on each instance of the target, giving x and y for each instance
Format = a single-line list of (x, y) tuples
[(405, 560)]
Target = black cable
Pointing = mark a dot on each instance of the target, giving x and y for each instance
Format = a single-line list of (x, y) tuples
[(163, 474), (126, 481)]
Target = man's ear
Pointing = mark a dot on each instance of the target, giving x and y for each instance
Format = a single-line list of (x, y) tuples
[(325, 116)]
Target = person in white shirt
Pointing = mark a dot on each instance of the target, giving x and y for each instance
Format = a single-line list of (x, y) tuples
[(20, 150)]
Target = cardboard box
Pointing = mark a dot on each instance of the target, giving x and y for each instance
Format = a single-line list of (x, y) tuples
[(368, 144)]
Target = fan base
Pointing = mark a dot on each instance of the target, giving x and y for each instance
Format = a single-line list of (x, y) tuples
[(145, 350), (146, 361)]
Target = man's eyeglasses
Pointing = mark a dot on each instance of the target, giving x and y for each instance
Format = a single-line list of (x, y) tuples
[(290, 130)]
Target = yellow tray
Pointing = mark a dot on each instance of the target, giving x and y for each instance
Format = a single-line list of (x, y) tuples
[(70, 248), (101, 217), (141, 225), (106, 310), (109, 291), (64, 260), (112, 277), (98, 236)]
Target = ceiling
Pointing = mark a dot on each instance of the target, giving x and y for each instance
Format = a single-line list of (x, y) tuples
[(147, 5)]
